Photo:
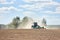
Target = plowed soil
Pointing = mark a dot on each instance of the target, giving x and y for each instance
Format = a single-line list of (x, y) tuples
[(29, 34)]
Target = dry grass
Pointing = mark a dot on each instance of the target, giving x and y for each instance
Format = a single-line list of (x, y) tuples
[(30, 34)]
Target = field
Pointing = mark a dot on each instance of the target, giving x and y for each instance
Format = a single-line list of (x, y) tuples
[(29, 34)]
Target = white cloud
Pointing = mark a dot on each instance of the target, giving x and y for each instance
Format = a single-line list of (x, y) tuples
[(13, 8), (1, 17), (7, 9), (57, 11), (6, 2), (2, 1), (28, 13), (38, 5), (51, 12), (3, 9), (32, 7), (29, 1)]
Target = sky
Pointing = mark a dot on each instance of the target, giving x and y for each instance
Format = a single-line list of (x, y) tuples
[(36, 9)]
